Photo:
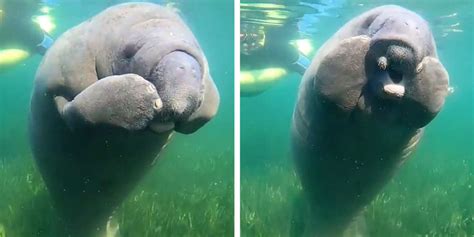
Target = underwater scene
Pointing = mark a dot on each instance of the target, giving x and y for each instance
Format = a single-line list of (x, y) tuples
[(430, 194), (189, 189)]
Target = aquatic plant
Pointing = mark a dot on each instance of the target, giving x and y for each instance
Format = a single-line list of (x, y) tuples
[(178, 198), (435, 202)]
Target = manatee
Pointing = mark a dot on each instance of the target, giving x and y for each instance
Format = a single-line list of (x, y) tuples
[(361, 110), (107, 97)]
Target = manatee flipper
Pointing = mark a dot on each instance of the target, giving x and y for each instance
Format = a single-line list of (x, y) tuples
[(205, 112), (127, 101), (426, 91), (341, 74)]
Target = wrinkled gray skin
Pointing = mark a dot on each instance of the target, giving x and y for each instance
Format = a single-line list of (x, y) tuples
[(107, 97), (351, 131)]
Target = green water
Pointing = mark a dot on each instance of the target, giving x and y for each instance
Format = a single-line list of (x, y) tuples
[(432, 194), (190, 190)]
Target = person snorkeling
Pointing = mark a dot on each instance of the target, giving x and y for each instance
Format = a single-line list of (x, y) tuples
[(20, 34), (271, 47), (268, 53)]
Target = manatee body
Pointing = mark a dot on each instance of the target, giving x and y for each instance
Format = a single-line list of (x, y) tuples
[(361, 110), (107, 97)]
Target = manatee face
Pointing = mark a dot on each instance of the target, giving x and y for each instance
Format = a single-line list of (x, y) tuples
[(399, 79), (178, 77), (398, 43), (178, 80)]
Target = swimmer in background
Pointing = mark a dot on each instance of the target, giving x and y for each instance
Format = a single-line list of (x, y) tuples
[(269, 53), (20, 35), (271, 48)]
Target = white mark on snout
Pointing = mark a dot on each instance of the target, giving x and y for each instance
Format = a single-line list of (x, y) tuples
[(382, 62), (394, 90), (419, 68), (158, 104)]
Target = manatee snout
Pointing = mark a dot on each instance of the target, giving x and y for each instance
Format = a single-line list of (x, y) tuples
[(399, 41), (392, 62), (400, 58), (178, 80), (398, 71)]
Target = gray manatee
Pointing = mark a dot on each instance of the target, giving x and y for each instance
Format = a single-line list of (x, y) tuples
[(361, 110), (107, 97)]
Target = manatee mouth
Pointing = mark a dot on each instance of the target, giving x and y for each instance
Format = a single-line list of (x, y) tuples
[(389, 84), (394, 62), (389, 66), (178, 80)]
